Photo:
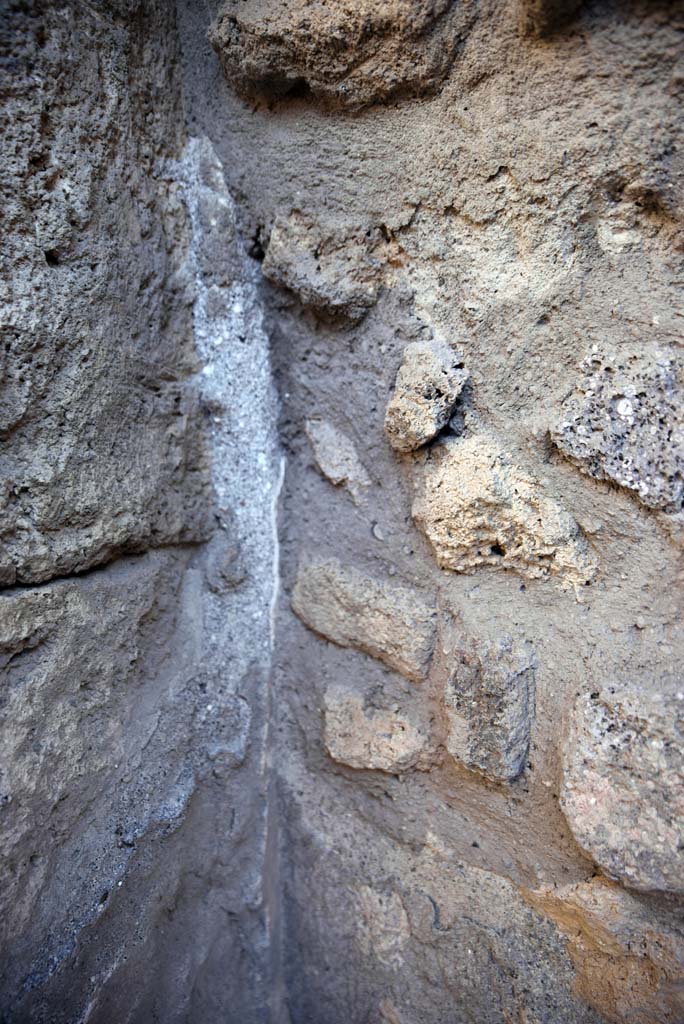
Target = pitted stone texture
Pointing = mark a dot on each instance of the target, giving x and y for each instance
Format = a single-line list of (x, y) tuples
[(334, 275), (489, 701), (391, 739), (390, 622), (628, 957), (430, 380), (336, 457), (623, 783), (349, 54), (625, 423), (100, 424), (478, 508), (544, 17)]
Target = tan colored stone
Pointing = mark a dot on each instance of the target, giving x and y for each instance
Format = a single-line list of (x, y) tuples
[(623, 783), (478, 508), (336, 457), (349, 54), (332, 274), (388, 1012), (385, 739), (430, 380), (391, 622), (383, 925)]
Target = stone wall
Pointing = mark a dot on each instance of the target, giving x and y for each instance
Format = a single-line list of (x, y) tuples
[(471, 223), (137, 540), (342, 497)]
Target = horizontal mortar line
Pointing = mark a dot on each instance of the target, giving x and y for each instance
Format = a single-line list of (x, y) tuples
[(101, 567)]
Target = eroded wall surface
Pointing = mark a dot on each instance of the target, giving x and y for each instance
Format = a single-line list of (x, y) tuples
[(139, 471), (392, 731)]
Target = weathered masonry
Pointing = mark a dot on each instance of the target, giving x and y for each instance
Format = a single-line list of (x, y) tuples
[(342, 512)]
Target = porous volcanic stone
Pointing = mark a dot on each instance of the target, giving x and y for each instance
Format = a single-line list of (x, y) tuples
[(350, 54), (625, 423), (478, 508), (429, 381), (623, 782)]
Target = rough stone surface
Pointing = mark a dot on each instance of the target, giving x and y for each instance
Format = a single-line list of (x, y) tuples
[(390, 622), (386, 739), (133, 707), (623, 782), (349, 54), (76, 767), (489, 700), (400, 172), (405, 913), (430, 379), (625, 423), (102, 450), (384, 925), (527, 210), (335, 276), (478, 508), (337, 458)]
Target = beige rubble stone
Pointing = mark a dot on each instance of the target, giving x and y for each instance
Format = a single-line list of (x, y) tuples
[(385, 739), (478, 508), (388, 1012), (623, 783), (391, 622), (430, 379), (349, 54), (336, 457), (332, 274), (383, 925)]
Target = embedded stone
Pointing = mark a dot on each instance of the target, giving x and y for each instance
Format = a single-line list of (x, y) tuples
[(336, 457), (225, 567), (385, 739), (489, 702), (430, 380), (623, 783), (349, 54), (388, 621), (477, 508), (625, 423), (333, 274), (383, 926)]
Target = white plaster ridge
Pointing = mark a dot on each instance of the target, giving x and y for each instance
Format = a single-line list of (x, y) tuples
[(237, 388), (248, 470)]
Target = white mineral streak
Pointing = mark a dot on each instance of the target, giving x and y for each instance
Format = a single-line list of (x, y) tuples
[(237, 385)]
